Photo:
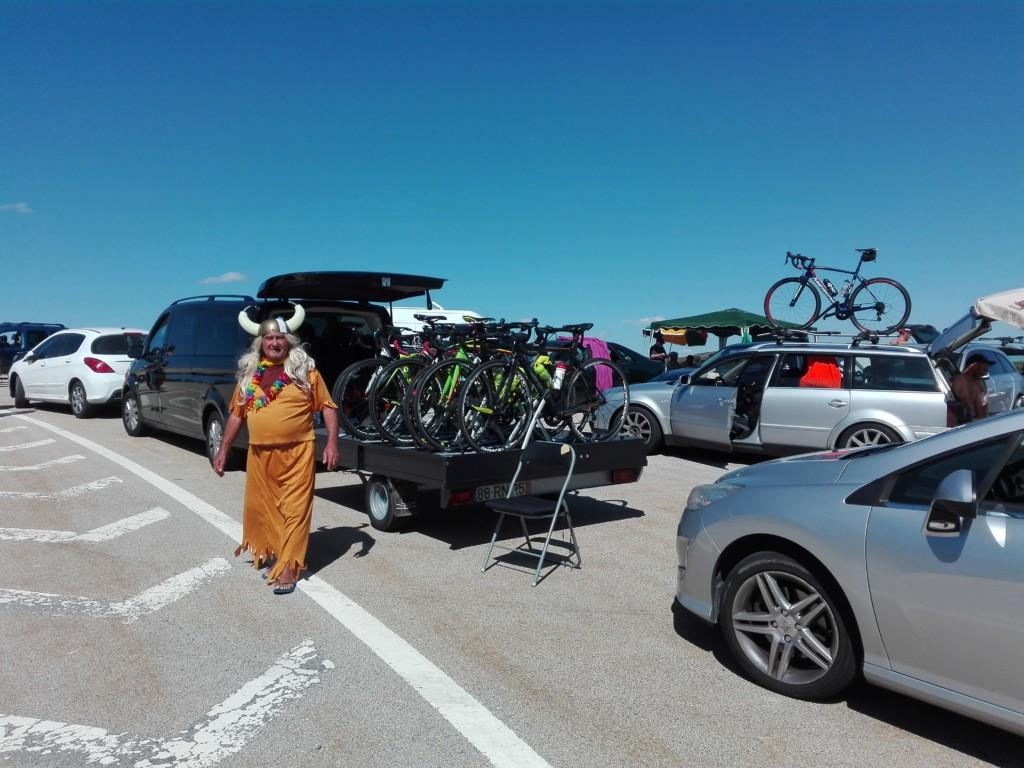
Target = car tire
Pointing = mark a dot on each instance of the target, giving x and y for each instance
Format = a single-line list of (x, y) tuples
[(867, 434), (20, 401), (80, 405), (643, 424), (131, 415), (213, 431), (785, 629)]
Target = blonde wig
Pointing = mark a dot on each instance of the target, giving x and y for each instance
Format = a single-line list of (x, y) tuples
[(297, 365)]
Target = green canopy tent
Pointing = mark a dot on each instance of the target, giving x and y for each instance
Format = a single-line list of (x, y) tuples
[(723, 324)]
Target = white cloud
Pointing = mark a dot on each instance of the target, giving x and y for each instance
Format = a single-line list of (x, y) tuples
[(227, 277), (644, 320), (22, 209)]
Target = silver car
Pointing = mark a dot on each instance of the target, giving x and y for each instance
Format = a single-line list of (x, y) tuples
[(649, 407), (904, 563), (1005, 383)]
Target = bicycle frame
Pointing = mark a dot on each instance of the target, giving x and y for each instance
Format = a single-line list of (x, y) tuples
[(839, 307)]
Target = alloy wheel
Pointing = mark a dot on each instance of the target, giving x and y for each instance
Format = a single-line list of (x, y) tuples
[(130, 413), (214, 436), (636, 424), (785, 628), (866, 436), (78, 400)]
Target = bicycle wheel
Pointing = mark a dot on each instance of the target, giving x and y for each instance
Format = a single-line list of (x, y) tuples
[(433, 403), (879, 305), (495, 406), (595, 401), (792, 300), (386, 396), (350, 393)]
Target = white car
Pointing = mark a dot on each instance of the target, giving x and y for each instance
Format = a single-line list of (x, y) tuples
[(84, 367)]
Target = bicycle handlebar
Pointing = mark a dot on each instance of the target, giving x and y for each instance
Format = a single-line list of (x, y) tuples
[(799, 260)]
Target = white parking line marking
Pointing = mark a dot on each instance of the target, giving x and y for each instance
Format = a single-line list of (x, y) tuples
[(12, 429), (43, 465), (130, 610), (103, 533), (67, 493), (223, 731), (22, 446), (496, 741)]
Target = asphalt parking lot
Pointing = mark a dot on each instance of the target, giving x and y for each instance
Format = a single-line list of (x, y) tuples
[(131, 635)]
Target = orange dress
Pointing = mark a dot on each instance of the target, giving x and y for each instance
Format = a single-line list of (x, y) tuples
[(279, 475)]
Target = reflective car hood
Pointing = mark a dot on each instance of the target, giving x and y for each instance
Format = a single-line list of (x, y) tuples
[(822, 468)]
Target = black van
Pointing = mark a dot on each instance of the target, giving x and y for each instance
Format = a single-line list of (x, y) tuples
[(185, 376)]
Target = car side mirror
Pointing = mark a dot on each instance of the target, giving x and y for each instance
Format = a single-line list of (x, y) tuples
[(29, 359), (684, 379), (955, 500)]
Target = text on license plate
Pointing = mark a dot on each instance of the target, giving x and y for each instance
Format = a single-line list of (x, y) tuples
[(500, 491)]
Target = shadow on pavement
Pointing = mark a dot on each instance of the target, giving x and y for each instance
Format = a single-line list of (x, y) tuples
[(329, 544), (472, 525), (941, 726)]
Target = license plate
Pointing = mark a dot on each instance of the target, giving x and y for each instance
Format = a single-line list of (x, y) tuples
[(500, 491)]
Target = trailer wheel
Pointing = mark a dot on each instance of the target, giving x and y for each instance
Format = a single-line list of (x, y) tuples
[(388, 504)]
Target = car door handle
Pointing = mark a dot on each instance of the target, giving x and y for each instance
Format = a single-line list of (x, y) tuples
[(838, 403), (725, 401)]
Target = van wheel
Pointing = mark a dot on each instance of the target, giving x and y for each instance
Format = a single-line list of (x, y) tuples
[(80, 405), (863, 435), (131, 415), (20, 401), (214, 431)]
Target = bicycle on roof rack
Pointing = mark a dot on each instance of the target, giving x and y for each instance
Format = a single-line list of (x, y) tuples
[(875, 306)]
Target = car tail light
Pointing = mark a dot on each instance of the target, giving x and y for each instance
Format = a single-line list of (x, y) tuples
[(623, 476), (97, 365), (460, 497)]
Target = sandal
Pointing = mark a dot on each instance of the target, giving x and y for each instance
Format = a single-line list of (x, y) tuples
[(284, 587)]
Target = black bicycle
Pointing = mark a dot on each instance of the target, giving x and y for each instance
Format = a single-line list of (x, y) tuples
[(875, 306)]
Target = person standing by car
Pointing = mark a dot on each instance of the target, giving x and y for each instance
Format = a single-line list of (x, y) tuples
[(658, 348), (971, 391), (906, 337), (277, 394)]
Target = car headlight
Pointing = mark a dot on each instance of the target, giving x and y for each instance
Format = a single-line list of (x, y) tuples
[(702, 495)]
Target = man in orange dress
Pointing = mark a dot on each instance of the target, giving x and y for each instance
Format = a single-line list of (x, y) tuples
[(278, 391)]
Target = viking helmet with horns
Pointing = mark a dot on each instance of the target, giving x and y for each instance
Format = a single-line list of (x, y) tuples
[(272, 324)]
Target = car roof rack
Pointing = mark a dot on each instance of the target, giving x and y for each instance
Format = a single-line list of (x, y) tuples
[(216, 297)]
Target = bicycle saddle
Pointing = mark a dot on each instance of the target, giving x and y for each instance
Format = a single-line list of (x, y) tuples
[(867, 254)]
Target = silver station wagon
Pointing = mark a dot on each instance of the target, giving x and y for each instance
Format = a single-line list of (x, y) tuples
[(782, 397)]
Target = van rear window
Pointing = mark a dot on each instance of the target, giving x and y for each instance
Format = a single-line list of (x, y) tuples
[(891, 373)]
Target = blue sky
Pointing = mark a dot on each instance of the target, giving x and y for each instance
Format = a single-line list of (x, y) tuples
[(609, 162)]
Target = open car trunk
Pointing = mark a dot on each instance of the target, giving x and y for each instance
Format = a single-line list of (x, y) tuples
[(379, 287)]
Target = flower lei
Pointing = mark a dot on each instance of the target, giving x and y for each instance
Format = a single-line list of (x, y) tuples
[(254, 402)]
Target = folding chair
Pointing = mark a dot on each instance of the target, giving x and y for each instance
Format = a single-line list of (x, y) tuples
[(537, 508)]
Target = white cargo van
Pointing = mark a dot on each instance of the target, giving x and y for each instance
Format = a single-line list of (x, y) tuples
[(404, 317)]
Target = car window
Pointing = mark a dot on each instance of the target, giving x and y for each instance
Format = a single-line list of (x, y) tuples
[(34, 337), (115, 343), (1000, 364), (888, 372), (1007, 492), (813, 371), (158, 338), (221, 334), (47, 348), (69, 344), (917, 485), (724, 374)]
